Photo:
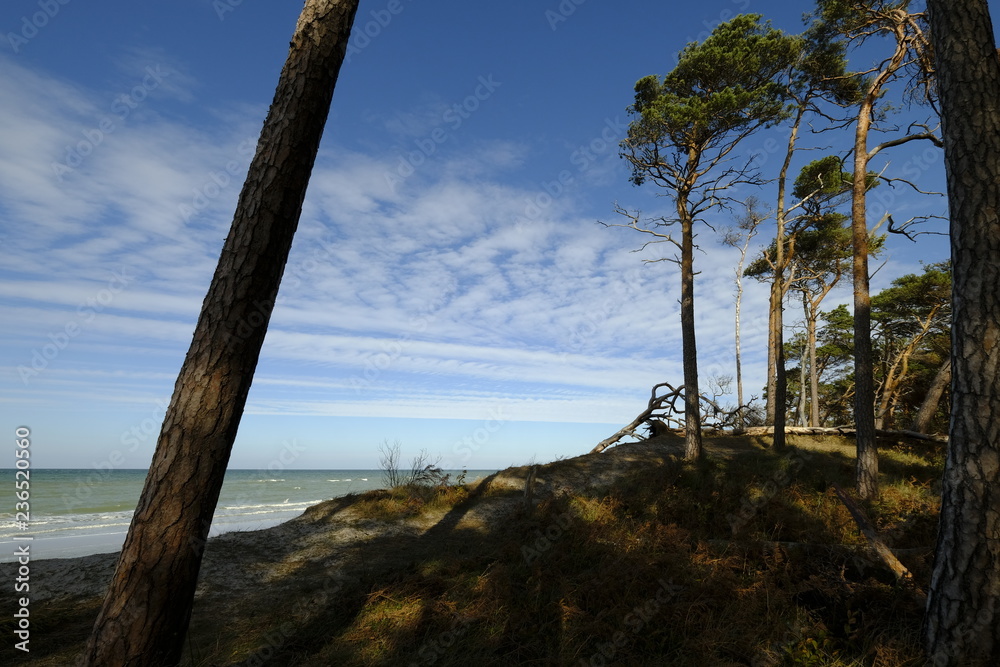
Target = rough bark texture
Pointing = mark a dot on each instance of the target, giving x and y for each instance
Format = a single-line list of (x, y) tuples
[(962, 625), (929, 406), (864, 385), (769, 404), (813, 315), (692, 407), (148, 605)]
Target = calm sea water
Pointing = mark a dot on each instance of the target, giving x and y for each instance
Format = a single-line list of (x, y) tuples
[(81, 512)]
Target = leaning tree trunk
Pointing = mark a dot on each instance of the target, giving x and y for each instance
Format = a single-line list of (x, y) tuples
[(928, 408), (777, 382), (147, 608), (692, 407), (962, 624)]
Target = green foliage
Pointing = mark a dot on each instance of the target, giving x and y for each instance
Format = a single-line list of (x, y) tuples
[(819, 239), (822, 71), (898, 314), (861, 20), (725, 86), (852, 17), (914, 296), (822, 178)]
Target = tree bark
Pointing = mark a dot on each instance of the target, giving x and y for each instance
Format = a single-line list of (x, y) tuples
[(776, 414), (864, 368), (147, 608), (739, 348), (804, 369), (811, 317), (929, 406), (692, 407), (769, 404), (962, 624), (876, 542), (864, 384)]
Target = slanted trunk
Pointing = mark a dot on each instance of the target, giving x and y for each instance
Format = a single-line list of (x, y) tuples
[(928, 408), (962, 623), (896, 374), (147, 608), (776, 336)]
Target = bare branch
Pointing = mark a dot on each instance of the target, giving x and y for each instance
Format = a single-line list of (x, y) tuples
[(904, 228)]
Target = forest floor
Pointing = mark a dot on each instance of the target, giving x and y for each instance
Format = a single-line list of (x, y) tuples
[(630, 557)]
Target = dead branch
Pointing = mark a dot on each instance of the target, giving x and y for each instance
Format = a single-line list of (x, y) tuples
[(877, 544), (669, 409)]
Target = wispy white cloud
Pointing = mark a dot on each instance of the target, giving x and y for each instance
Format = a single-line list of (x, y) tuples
[(431, 298)]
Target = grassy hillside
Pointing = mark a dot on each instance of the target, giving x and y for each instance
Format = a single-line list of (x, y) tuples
[(630, 557)]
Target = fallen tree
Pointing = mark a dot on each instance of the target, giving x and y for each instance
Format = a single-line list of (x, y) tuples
[(849, 431), (662, 412), (663, 416)]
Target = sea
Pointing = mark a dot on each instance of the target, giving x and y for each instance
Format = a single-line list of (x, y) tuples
[(81, 512)]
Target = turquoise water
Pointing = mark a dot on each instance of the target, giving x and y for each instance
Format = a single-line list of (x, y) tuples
[(81, 512)]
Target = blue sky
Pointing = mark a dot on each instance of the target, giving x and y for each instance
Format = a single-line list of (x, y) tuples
[(449, 286)]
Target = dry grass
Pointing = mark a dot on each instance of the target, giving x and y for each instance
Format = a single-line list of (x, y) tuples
[(646, 567)]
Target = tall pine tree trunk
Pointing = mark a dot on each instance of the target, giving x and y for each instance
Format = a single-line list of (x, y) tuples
[(692, 409), (929, 406), (864, 382), (962, 624), (777, 380), (811, 317), (147, 608), (772, 379), (739, 350)]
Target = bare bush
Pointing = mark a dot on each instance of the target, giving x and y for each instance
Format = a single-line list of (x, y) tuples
[(422, 471)]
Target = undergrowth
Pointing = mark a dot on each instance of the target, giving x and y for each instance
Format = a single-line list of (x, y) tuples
[(745, 560)]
